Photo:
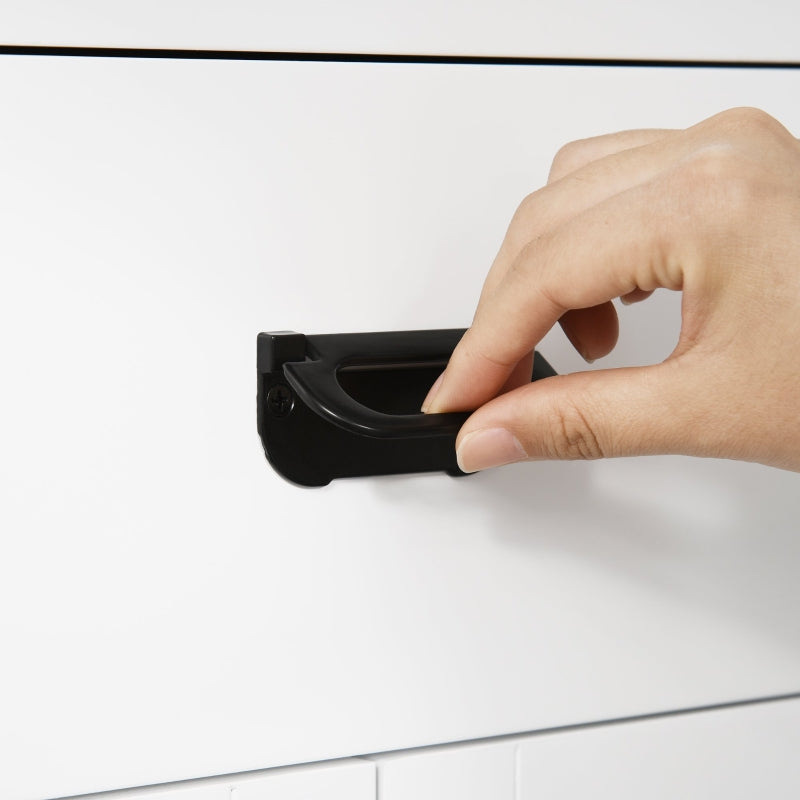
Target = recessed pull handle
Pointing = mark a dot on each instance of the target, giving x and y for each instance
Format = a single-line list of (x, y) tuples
[(347, 405)]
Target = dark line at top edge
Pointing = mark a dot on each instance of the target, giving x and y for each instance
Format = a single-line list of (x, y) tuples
[(378, 58)]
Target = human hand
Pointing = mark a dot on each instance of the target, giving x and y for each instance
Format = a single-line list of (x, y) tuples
[(712, 211)]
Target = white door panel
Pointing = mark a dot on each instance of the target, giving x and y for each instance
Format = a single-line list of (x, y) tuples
[(649, 29), (348, 779), (471, 771), (345, 779), (733, 753), (200, 791), (169, 606)]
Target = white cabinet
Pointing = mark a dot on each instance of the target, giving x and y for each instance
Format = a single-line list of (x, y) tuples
[(169, 607)]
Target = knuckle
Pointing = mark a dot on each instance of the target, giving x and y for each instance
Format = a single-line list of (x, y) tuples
[(475, 349), (524, 221), (517, 272), (745, 119), (709, 165), (530, 276), (537, 214), (750, 129), (568, 158), (573, 437), (722, 185), (525, 210)]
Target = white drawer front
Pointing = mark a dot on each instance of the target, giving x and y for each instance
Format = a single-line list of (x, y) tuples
[(172, 608), (733, 753), (347, 779), (483, 771)]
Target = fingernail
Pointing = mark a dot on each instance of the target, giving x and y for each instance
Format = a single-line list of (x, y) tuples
[(432, 392), (579, 347), (489, 447), (625, 301)]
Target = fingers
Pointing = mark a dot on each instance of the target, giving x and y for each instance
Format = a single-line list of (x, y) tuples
[(594, 334), (520, 375), (577, 266), (709, 211), (636, 411), (578, 154), (592, 331), (636, 296), (594, 181)]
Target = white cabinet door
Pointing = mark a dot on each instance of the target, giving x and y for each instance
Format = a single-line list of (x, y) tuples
[(471, 771), (733, 753), (345, 779), (169, 607), (349, 779), (648, 29), (192, 791)]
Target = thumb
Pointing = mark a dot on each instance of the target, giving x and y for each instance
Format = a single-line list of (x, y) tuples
[(586, 415)]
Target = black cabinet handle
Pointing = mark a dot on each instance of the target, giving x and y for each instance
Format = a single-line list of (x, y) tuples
[(346, 405)]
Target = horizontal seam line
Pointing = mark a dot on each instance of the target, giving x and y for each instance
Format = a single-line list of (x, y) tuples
[(378, 58), (510, 737), (600, 723)]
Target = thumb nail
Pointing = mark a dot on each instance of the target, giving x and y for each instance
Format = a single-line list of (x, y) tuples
[(489, 447)]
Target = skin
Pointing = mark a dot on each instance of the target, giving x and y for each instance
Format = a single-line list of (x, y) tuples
[(712, 211)]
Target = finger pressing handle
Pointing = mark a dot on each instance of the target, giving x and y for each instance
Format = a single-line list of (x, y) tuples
[(340, 405)]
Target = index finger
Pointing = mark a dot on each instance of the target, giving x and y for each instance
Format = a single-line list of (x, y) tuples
[(576, 155), (609, 250), (583, 174)]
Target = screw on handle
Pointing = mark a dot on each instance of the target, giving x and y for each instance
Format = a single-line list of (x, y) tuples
[(280, 400)]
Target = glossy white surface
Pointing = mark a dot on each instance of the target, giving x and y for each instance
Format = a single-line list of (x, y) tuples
[(737, 753), (484, 771), (716, 29), (213, 791), (346, 779), (169, 607)]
